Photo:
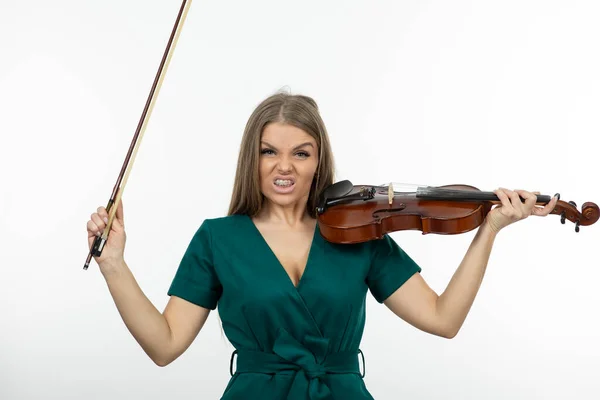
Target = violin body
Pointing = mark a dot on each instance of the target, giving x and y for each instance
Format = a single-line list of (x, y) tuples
[(348, 213)]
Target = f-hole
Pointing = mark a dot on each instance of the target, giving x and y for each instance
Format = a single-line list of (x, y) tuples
[(377, 213)]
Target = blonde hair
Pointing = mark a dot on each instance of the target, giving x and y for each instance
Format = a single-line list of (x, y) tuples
[(296, 110), (299, 111)]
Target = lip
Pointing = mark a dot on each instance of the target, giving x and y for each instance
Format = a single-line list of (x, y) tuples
[(285, 178), (284, 190)]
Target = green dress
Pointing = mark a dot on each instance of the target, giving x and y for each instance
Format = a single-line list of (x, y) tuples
[(291, 342)]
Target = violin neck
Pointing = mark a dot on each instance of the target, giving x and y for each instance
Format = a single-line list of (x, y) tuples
[(433, 193)]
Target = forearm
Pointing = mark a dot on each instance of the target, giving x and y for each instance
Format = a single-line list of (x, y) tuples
[(147, 325), (454, 303)]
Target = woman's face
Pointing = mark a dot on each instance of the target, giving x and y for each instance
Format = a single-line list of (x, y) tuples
[(288, 163)]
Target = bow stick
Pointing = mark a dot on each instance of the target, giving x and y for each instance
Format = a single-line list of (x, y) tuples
[(115, 197)]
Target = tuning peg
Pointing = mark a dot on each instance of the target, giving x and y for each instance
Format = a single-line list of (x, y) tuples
[(573, 204), (563, 217), (577, 226)]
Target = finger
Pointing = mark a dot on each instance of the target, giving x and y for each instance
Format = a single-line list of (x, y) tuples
[(547, 209), (530, 200), (515, 200), (503, 198), (120, 216), (98, 221), (103, 214), (117, 222), (540, 212), (92, 228), (511, 204), (519, 208)]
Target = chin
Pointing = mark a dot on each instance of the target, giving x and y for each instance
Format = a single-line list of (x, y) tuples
[(282, 199), (287, 198)]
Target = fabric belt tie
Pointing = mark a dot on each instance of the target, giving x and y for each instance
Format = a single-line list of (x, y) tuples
[(309, 367)]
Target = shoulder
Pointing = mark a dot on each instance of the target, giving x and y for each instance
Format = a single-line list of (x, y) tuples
[(219, 224), (217, 231), (224, 229)]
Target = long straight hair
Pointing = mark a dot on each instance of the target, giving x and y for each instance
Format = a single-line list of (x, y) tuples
[(296, 110)]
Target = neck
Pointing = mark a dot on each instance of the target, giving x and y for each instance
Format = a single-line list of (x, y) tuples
[(467, 195), (293, 215)]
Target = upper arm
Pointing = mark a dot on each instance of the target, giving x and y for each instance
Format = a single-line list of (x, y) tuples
[(185, 321), (195, 290), (394, 279), (416, 303)]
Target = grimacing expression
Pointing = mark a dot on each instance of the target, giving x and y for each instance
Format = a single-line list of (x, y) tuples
[(287, 164)]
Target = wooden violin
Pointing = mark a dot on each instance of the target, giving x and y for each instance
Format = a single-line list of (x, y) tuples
[(348, 213)]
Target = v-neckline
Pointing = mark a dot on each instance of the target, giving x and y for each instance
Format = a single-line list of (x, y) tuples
[(278, 263)]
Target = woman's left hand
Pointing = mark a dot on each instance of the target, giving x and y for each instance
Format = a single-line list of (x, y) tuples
[(513, 209)]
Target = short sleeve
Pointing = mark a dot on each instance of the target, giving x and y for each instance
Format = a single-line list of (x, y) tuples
[(390, 268), (196, 280)]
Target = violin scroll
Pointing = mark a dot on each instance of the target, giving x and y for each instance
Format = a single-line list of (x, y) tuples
[(568, 211)]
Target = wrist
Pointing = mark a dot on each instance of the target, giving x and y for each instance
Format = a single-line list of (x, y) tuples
[(488, 229), (112, 268), (490, 225)]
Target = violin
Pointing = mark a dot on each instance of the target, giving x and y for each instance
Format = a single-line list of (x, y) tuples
[(348, 213)]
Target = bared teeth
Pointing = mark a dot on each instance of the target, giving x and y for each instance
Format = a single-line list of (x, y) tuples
[(283, 182)]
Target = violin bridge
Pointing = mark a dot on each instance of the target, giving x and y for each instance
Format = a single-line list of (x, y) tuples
[(390, 193)]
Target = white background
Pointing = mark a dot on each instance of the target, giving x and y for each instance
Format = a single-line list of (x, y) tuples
[(431, 92)]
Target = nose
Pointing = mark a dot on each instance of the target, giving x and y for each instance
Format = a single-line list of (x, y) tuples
[(284, 164)]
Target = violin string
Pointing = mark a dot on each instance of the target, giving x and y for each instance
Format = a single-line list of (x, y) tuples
[(445, 194)]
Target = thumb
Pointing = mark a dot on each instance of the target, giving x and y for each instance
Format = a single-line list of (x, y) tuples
[(119, 214), (117, 221)]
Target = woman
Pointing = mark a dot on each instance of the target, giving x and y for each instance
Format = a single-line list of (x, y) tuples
[(291, 303)]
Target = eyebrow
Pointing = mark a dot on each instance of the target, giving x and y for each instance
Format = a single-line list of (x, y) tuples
[(295, 148)]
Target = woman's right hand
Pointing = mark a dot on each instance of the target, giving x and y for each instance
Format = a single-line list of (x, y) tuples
[(112, 253)]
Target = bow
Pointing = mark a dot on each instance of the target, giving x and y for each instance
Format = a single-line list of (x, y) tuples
[(115, 197)]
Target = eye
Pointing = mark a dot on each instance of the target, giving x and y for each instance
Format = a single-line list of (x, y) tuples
[(303, 154), (266, 151)]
